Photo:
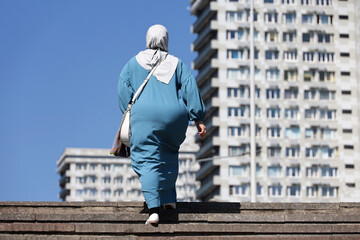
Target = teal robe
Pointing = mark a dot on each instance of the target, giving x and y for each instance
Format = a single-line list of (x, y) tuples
[(158, 123)]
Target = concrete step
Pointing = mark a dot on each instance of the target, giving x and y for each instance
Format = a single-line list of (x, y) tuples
[(94, 220)]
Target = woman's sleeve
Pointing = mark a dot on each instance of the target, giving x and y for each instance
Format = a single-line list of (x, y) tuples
[(125, 90), (191, 95)]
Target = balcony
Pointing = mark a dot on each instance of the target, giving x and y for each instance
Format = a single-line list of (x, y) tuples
[(205, 16), (204, 36), (207, 71), (205, 54), (208, 187)]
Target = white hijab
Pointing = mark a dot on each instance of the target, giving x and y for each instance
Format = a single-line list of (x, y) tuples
[(157, 50)]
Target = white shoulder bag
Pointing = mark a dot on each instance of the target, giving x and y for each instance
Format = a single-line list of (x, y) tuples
[(125, 133)]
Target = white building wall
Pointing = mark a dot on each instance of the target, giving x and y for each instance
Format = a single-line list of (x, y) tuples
[(344, 160), (95, 175)]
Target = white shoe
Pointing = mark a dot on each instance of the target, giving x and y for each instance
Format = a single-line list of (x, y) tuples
[(170, 206), (153, 219)]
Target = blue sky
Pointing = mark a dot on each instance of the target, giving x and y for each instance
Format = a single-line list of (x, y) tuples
[(59, 64)]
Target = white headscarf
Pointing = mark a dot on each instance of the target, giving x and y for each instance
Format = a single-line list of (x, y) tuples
[(157, 39)]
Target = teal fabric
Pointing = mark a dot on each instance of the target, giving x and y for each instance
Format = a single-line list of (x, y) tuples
[(158, 120)]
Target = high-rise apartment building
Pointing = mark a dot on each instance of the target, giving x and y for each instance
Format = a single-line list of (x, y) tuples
[(95, 175), (306, 99)]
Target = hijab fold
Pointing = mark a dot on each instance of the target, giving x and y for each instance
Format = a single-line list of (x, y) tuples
[(157, 39)]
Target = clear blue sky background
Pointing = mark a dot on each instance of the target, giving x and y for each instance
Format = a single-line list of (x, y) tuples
[(59, 64)]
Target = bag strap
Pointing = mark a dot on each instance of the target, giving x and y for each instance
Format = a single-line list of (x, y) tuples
[(142, 86)]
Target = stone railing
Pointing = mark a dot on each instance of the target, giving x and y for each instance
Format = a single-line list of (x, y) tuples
[(214, 220)]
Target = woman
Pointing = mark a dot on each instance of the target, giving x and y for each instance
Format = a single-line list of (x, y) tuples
[(159, 117)]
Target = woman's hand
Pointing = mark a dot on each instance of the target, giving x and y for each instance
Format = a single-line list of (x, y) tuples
[(201, 129)]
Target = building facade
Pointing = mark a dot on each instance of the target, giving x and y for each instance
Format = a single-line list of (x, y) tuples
[(95, 175), (306, 99)]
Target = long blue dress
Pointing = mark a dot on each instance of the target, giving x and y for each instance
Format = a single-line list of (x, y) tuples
[(158, 120)]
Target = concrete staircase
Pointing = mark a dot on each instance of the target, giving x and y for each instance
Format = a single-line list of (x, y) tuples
[(125, 220)]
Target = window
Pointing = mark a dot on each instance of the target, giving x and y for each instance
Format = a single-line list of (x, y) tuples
[(311, 152), (293, 190), (238, 150), (307, 18), (293, 171), (325, 57), (80, 179), (106, 179), (92, 178), (106, 192), (324, 2), (81, 166), (290, 56), (237, 53), (329, 172), (106, 167), (312, 191), (293, 151), (271, 36), (349, 147), (350, 166), (241, 171), (324, 19), (312, 171), (273, 132), (273, 113), (118, 179), (290, 75), (346, 92), (343, 17), (346, 111), (241, 92), (274, 151), (271, 54), (93, 166), (308, 56), (328, 191), (326, 76), (289, 17), (273, 93), (344, 54), (347, 130), (240, 190), (275, 190), (239, 74), (242, 131), (274, 171), (327, 114), (306, 37), (270, 17), (309, 94), (291, 93), (118, 192), (268, 1), (325, 38), (345, 73), (327, 133), (310, 113), (118, 167), (288, 2), (309, 76), (344, 35), (352, 185), (272, 74), (292, 113), (292, 132), (327, 95), (289, 36), (242, 111), (310, 132)]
